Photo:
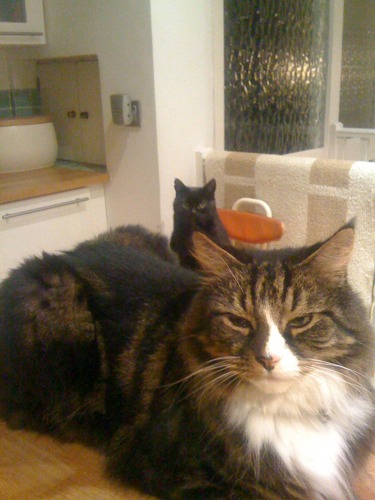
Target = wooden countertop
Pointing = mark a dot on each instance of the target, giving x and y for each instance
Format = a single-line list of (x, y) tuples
[(22, 185)]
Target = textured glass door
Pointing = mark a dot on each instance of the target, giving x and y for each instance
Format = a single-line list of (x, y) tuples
[(275, 67)]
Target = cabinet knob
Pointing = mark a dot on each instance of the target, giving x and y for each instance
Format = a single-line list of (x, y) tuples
[(84, 115), (71, 114)]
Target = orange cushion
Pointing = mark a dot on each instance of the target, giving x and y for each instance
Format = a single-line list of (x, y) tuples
[(251, 228)]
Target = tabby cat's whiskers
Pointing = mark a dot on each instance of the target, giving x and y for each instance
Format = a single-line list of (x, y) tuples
[(214, 373), (332, 371), (206, 368)]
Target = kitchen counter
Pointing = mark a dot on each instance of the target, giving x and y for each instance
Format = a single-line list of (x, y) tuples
[(63, 176)]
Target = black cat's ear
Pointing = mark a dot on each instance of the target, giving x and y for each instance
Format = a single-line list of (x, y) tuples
[(212, 258), (332, 258), (210, 187), (179, 185)]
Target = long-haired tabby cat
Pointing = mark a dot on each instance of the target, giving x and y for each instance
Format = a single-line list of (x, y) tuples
[(194, 209), (251, 380), (49, 295)]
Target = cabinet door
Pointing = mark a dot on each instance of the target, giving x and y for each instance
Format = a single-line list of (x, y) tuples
[(59, 95), (49, 223), (70, 92), (22, 22), (90, 112)]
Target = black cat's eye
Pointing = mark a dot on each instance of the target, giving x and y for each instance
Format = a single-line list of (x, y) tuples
[(300, 321), (201, 205)]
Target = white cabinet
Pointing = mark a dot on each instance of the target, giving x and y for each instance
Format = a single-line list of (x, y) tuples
[(70, 92), (22, 22), (49, 223)]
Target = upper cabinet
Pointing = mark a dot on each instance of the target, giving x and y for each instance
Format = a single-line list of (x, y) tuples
[(70, 92), (22, 22)]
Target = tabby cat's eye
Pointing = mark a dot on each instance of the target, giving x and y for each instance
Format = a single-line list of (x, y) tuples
[(239, 321), (301, 321)]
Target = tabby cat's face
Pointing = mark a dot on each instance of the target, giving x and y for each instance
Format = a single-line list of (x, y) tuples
[(271, 320)]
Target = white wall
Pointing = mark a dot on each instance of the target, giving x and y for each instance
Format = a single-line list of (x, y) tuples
[(182, 52), (160, 52), (119, 32)]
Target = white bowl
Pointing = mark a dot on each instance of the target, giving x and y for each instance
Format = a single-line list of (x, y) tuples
[(27, 143)]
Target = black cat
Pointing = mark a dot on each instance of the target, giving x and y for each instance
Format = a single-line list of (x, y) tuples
[(195, 210)]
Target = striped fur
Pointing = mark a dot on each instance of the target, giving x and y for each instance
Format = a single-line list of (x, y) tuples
[(251, 380)]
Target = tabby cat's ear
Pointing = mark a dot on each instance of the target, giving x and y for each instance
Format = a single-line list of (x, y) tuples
[(333, 256), (212, 258), (179, 185)]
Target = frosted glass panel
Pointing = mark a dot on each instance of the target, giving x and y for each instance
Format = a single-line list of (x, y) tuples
[(275, 74), (357, 98)]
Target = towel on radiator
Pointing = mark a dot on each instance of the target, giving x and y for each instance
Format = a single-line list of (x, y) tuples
[(313, 197)]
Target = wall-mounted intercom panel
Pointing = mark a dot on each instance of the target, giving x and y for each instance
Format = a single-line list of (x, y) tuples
[(125, 111)]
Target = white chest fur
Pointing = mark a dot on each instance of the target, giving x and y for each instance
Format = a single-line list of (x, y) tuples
[(307, 443)]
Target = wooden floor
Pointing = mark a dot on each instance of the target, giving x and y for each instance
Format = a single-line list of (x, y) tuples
[(34, 466)]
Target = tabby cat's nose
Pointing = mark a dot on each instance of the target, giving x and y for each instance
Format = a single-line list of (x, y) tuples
[(268, 362)]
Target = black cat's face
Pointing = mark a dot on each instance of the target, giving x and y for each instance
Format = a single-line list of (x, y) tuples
[(195, 204)]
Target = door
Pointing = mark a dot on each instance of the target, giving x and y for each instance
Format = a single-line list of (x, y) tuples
[(277, 81)]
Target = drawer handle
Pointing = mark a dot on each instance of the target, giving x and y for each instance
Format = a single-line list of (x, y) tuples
[(21, 33), (46, 207), (84, 115), (71, 114)]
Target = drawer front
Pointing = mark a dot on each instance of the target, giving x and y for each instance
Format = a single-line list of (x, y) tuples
[(49, 223)]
